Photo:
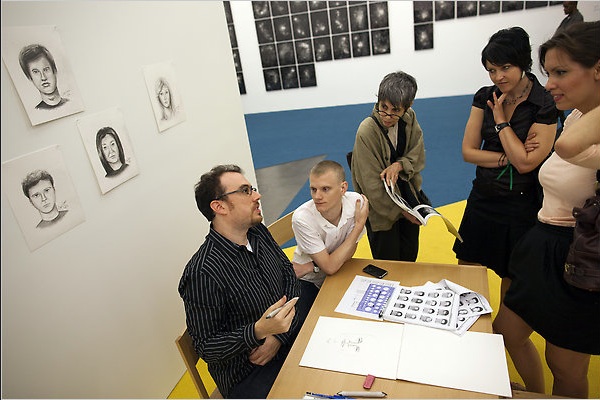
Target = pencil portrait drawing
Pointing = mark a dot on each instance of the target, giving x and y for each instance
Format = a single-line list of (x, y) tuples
[(42, 196), (106, 140), (165, 100), (39, 67), (165, 96), (36, 61), (110, 150), (38, 187)]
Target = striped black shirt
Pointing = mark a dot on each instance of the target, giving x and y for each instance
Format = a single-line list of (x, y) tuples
[(225, 289)]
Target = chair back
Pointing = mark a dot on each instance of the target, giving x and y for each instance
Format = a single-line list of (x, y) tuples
[(190, 358), (281, 230)]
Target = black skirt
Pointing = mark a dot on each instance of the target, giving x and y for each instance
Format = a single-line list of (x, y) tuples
[(491, 226), (564, 315)]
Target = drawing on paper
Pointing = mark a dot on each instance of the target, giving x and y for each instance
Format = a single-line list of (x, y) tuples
[(38, 67), (106, 141), (41, 195), (164, 94)]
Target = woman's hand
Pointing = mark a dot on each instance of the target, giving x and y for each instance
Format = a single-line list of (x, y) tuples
[(411, 218), (531, 143), (391, 173), (496, 107)]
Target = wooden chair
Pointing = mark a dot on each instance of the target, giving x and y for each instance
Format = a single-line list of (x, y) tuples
[(281, 230), (190, 358)]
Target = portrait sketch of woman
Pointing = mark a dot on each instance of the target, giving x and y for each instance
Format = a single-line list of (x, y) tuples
[(164, 95), (107, 143), (36, 62), (42, 196)]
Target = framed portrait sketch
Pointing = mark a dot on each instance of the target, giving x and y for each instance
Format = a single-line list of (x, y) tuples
[(36, 61), (164, 95), (41, 195), (107, 144)]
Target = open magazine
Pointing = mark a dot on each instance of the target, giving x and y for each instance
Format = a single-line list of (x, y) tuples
[(421, 212)]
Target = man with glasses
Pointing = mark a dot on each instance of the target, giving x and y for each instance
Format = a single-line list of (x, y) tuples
[(233, 284), (389, 146)]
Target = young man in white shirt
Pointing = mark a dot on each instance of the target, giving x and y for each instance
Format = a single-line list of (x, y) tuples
[(327, 228)]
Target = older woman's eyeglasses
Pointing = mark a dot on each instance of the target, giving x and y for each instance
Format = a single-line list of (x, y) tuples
[(245, 189), (386, 114)]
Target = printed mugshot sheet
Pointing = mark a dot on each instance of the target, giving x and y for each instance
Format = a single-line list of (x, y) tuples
[(444, 305)]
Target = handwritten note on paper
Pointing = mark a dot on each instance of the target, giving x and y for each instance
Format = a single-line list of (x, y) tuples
[(354, 346), (475, 361)]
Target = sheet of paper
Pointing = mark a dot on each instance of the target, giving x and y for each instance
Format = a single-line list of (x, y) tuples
[(430, 305), (355, 347), (366, 297), (474, 362)]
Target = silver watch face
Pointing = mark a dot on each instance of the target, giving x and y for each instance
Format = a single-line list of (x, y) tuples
[(316, 269)]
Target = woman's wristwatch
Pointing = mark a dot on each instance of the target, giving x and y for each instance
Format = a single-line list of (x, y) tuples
[(315, 268), (501, 126)]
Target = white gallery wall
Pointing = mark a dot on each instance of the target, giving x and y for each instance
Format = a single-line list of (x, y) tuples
[(451, 68), (94, 313)]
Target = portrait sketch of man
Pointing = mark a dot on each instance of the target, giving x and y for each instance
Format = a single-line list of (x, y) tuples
[(36, 62), (42, 196), (106, 141), (164, 95)]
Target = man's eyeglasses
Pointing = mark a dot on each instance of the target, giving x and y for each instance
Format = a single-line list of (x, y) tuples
[(246, 189), (385, 114)]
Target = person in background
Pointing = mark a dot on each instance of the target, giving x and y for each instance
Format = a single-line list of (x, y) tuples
[(327, 228), (506, 194), (38, 187), (389, 146), (238, 276), (572, 15), (539, 299), (110, 151), (39, 67)]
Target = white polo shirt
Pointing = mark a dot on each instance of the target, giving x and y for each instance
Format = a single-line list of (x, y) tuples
[(314, 233)]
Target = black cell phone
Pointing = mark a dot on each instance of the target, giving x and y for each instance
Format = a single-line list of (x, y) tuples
[(375, 271)]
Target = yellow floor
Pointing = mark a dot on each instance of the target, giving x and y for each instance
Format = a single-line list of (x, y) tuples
[(435, 246)]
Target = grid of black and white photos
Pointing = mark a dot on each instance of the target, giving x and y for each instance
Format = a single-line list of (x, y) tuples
[(425, 12), (294, 35), (235, 51)]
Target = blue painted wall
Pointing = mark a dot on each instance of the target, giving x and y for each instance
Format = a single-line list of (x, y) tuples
[(284, 136)]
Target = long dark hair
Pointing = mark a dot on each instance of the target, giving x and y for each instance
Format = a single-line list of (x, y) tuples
[(99, 136)]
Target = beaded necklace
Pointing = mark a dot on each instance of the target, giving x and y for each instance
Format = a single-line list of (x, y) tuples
[(513, 101)]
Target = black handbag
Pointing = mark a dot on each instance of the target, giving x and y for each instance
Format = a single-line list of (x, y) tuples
[(582, 266)]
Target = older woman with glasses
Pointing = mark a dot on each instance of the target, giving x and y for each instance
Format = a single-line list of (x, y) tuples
[(389, 146)]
